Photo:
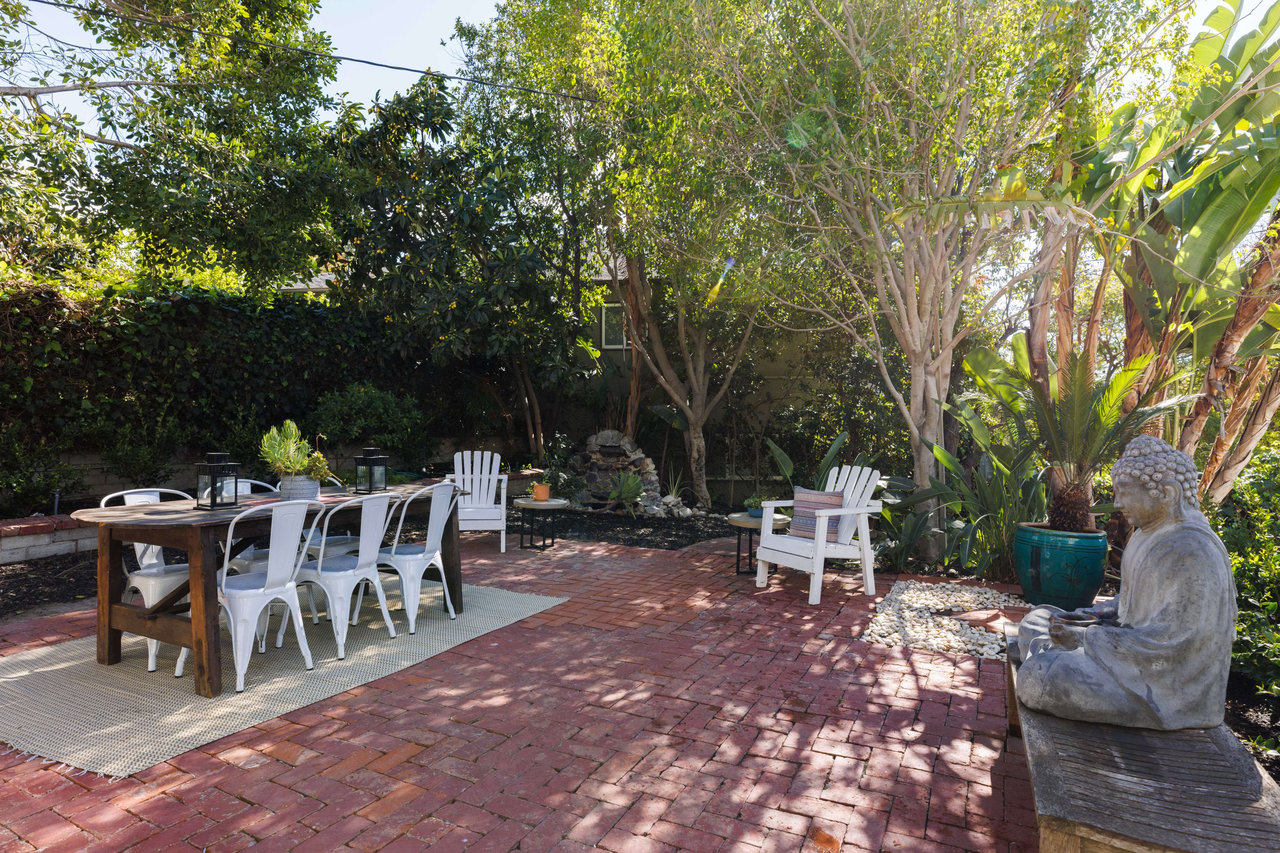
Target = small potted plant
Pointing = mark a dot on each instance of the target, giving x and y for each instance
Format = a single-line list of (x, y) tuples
[(542, 489), (754, 505), (299, 468)]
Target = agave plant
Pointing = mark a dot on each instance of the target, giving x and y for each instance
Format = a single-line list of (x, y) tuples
[(1077, 426)]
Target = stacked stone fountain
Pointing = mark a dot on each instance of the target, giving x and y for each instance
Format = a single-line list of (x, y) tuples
[(609, 453)]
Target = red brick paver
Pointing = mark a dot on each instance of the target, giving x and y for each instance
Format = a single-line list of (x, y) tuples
[(669, 705)]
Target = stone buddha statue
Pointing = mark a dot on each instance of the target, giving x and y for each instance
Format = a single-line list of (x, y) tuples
[(1157, 655)]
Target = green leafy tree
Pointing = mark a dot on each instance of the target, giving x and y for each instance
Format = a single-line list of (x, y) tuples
[(914, 143), (436, 242), (204, 139), (1181, 194), (670, 218)]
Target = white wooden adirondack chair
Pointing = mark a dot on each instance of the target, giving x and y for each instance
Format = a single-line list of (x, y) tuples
[(485, 507), (853, 540)]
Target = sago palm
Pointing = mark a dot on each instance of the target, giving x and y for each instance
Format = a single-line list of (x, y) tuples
[(1077, 426)]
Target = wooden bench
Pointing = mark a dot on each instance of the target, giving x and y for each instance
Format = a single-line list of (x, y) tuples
[(1111, 788)]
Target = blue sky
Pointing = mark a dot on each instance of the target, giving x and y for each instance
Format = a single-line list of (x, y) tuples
[(397, 32)]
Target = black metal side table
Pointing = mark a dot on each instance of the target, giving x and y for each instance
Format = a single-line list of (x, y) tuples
[(751, 523), (543, 515)]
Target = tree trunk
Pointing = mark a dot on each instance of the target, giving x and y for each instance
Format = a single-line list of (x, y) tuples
[(634, 387), (1244, 389), (1065, 308), (1258, 295), (1255, 428), (1093, 331), (695, 444)]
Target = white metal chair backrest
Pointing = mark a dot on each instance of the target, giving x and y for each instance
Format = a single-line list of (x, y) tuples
[(375, 518), (149, 556), (443, 497), (476, 471), (858, 484), (287, 520)]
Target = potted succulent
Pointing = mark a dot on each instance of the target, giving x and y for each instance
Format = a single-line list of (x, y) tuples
[(299, 468), (1076, 432), (755, 506), (541, 490)]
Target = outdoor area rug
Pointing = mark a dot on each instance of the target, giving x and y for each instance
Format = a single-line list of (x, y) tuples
[(59, 704)]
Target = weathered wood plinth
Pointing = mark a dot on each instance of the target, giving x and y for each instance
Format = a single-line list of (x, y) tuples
[(1112, 788)]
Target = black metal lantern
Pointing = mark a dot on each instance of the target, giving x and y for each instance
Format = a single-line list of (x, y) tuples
[(217, 482), (371, 472)]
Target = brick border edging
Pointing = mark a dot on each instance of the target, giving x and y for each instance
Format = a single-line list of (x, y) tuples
[(37, 536)]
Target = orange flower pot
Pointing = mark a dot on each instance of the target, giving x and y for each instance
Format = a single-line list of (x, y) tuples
[(542, 491)]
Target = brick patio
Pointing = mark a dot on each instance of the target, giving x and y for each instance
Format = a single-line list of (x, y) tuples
[(669, 705)]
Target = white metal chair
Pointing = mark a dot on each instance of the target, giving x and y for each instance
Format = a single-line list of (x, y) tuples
[(346, 543), (339, 574), (247, 597), (852, 540), (484, 504), (410, 561), (154, 578)]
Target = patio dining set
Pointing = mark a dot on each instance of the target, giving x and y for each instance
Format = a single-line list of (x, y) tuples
[(242, 560)]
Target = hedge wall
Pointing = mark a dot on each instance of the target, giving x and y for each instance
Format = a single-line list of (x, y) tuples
[(137, 376)]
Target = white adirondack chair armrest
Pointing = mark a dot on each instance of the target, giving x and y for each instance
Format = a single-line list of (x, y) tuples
[(776, 503), (872, 506)]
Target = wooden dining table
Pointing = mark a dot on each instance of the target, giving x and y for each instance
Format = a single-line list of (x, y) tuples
[(202, 534)]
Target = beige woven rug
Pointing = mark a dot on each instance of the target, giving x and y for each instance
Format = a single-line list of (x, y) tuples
[(56, 702)]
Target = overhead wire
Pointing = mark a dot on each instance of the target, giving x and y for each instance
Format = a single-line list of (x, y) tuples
[(424, 72)]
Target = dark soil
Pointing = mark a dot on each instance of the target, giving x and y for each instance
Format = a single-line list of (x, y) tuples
[(69, 577)]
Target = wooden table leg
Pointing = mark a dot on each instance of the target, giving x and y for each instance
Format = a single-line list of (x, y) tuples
[(110, 591), (452, 559), (206, 639)]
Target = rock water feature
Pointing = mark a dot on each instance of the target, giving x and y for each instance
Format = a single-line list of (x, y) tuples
[(609, 453)]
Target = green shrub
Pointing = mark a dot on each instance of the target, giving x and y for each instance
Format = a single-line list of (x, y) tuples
[(31, 472), (140, 450), (363, 414), (1249, 521)]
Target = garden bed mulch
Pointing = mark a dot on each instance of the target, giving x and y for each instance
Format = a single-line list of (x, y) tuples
[(70, 577)]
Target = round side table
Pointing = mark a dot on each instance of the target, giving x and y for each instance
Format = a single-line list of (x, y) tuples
[(545, 513), (750, 523)]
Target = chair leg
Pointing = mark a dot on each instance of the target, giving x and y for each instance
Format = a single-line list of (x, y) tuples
[(355, 611), (339, 599), (410, 593), (311, 595), (243, 630), (181, 665), (382, 603), (868, 560), (502, 541), (261, 633), (284, 622), (295, 608), (153, 646), (815, 574), (762, 574), (444, 587)]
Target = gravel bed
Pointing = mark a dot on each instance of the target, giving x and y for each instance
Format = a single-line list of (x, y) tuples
[(918, 615)]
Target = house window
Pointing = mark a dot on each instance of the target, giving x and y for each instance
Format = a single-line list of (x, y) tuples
[(612, 327)]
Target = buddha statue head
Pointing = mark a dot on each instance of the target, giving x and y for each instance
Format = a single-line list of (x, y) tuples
[(1154, 481)]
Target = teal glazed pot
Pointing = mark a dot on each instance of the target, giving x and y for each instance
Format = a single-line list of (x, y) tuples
[(1059, 568)]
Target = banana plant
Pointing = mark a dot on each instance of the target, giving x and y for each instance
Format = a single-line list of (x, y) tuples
[(1175, 224)]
